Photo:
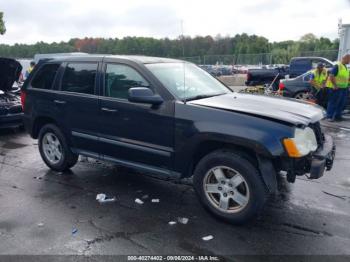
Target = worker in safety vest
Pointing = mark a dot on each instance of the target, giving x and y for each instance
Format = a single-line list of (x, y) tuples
[(30, 69), (338, 84), (318, 79)]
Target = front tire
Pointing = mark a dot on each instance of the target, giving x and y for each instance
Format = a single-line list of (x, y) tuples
[(54, 149), (229, 186)]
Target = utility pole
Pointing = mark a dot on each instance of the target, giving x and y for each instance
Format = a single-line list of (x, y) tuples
[(183, 38)]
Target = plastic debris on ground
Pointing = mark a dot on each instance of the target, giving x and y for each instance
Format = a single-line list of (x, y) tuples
[(41, 224), (102, 198), (183, 220), (74, 231), (138, 201), (207, 238), (144, 196), (155, 200), (172, 223)]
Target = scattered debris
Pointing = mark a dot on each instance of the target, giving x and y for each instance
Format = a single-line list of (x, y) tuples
[(330, 194), (74, 231), (144, 196), (172, 223), (182, 220), (41, 224), (102, 198), (138, 201), (341, 135), (38, 177), (155, 200), (207, 238)]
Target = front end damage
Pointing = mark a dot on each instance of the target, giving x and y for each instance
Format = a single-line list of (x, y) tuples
[(314, 164)]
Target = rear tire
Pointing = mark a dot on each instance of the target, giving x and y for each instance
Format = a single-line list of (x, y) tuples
[(229, 186), (54, 149)]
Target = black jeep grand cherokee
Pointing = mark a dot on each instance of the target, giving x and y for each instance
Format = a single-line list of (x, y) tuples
[(173, 119)]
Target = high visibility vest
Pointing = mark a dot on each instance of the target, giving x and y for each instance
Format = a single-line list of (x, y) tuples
[(342, 78), (319, 78)]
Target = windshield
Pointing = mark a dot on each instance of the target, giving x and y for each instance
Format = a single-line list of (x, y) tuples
[(187, 81)]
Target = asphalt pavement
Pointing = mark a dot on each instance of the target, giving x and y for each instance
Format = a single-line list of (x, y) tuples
[(47, 213)]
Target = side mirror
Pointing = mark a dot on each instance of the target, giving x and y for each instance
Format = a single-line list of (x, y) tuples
[(143, 95)]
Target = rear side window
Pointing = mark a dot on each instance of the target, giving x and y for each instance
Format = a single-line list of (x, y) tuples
[(307, 77), (44, 78), (79, 78)]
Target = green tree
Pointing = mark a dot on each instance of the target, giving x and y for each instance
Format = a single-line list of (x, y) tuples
[(2, 24)]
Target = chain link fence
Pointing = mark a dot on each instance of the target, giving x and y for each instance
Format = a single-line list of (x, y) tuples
[(218, 60), (254, 59), (329, 54), (280, 57), (192, 59)]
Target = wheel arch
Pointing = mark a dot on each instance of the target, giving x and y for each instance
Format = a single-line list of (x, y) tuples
[(206, 147), (262, 162), (39, 123)]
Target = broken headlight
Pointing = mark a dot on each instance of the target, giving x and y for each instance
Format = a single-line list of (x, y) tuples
[(303, 142)]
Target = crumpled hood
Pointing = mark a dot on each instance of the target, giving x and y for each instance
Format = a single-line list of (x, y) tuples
[(283, 109), (10, 71)]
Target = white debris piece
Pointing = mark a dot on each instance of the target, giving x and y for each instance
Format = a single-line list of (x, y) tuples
[(102, 198), (172, 223), (183, 220), (41, 224), (138, 201), (155, 200), (207, 238), (144, 196)]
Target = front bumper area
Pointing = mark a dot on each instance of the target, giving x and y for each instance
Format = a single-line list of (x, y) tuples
[(323, 158), (11, 120)]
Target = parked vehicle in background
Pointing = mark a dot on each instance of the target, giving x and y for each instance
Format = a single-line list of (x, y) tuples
[(297, 66), (266, 76), (169, 117), (38, 57), (299, 88), (10, 103), (218, 70), (301, 65)]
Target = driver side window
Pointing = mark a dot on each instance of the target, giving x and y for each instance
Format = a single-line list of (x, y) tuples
[(120, 78)]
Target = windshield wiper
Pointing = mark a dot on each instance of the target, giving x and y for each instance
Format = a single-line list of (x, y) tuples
[(202, 96)]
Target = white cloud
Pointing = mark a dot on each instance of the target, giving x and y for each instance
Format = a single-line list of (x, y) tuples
[(57, 20)]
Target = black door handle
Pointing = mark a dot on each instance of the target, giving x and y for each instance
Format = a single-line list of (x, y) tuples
[(60, 102), (109, 110)]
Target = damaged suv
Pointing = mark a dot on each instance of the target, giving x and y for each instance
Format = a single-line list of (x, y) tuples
[(173, 119), (10, 104)]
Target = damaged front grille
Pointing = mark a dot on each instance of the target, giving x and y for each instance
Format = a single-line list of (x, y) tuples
[(316, 127)]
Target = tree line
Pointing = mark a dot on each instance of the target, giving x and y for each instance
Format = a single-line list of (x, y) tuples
[(183, 46)]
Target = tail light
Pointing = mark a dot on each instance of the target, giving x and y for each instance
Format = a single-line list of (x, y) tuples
[(23, 99), (248, 76), (281, 86)]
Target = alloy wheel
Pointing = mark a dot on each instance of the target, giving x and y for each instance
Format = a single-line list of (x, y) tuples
[(52, 148), (226, 189)]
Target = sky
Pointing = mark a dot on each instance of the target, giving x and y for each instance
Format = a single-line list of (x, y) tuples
[(60, 20)]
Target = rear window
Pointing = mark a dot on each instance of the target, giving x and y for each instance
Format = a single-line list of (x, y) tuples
[(79, 78), (44, 78)]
